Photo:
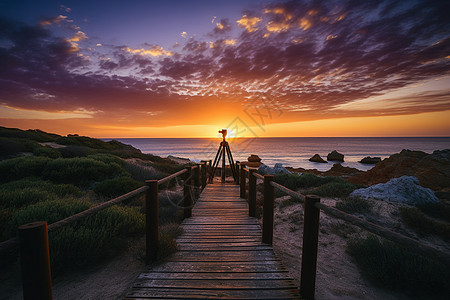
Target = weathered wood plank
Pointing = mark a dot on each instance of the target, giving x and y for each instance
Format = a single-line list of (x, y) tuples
[(220, 256), (157, 293)]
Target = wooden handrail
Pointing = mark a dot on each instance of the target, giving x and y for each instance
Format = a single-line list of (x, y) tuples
[(310, 243), (170, 177)]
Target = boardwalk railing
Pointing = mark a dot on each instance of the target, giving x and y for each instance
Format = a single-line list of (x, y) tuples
[(312, 207), (33, 237)]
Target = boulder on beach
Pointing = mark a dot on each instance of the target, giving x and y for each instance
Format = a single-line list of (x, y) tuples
[(336, 156), (253, 161), (370, 160), (317, 158), (277, 169), (341, 171), (432, 170), (405, 189)]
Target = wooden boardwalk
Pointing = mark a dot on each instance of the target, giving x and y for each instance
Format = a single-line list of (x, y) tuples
[(220, 256)]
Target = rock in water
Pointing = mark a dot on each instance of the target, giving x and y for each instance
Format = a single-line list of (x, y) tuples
[(277, 169), (317, 158), (432, 170), (336, 156), (370, 160), (405, 189)]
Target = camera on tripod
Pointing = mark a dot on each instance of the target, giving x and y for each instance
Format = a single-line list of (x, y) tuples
[(223, 132)]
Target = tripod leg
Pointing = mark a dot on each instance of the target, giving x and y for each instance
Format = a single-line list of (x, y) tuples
[(223, 163), (216, 164), (230, 160)]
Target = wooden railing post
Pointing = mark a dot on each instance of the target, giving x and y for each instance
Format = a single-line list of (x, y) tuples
[(251, 193), (267, 234), (35, 261), (242, 179), (203, 174), (210, 168), (237, 173), (151, 221), (187, 203), (197, 184), (309, 251)]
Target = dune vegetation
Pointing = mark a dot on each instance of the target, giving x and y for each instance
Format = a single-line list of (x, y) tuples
[(47, 177)]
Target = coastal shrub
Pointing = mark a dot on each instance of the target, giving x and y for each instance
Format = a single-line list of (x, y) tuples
[(71, 151), (436, 210), (116, 186), (32, 134), (390, 266), (94, 238), (24, 197), (419, 222), (142, 173), (12, 146), (107, 158), (353, 205), (81, 171), (170, 206), (167, 241), (50, 211), (288, 202), (46, 152), (61, 190), (21, 167), (305, 180), (336, 188)]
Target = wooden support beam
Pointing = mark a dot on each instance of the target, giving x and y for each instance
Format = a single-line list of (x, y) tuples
[(35, 261), (309, 251), (267, 234), (187, 201), (242, 178), (251, 193), (151, 221)]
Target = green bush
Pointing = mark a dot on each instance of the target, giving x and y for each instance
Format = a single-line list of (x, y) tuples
[(32, 134), (336, 188), (46, 152), (437, 210), (81, 171), (21, 167), (95, 238), (116, 186), (305, 180), (108, 159), (142, 173), (72, 151), (392, 267), (419, 222), (354, 205), (24, 197), (50, 211), (61, 190), (13, 146)]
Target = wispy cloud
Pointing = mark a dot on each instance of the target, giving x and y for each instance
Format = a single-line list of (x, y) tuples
[(319, 59)]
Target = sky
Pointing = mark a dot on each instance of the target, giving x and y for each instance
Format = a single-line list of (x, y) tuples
[(259, 68)]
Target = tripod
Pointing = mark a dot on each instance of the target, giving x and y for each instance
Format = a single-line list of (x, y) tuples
[(223, 148)]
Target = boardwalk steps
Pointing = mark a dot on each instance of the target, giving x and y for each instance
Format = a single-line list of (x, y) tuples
[(220, 256)]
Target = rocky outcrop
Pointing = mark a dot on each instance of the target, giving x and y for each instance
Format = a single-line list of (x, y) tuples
[(253, 161), (317, 158), (432, 170), (370, 160), (277, 169), (341, 171), (335, 156), (405, 189)]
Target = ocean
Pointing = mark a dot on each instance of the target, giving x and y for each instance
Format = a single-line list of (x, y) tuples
[(293, 152)]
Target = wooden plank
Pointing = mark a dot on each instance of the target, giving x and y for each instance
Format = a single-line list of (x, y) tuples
[(220, 256), (215, 284), (157, 293)]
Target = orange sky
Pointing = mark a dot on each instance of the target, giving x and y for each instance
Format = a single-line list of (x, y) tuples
[(260, 69)]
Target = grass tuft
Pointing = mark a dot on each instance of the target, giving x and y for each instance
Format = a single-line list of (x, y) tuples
[(390, 266), (353, 205)]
